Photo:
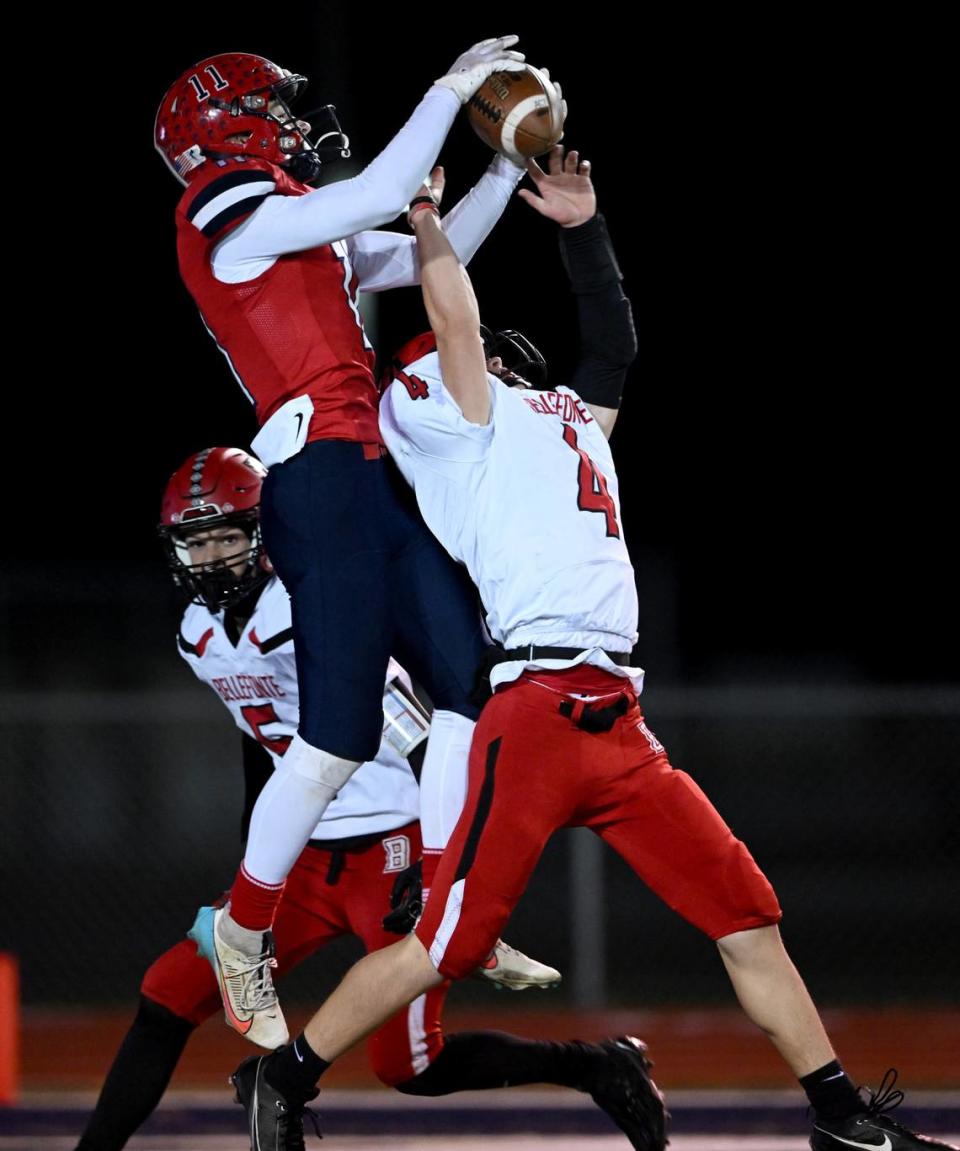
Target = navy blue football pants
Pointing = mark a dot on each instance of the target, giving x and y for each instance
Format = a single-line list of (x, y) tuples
[(367, 580)]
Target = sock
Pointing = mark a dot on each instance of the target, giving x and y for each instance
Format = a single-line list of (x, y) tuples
[(831, 1093), (252, 903), (138, 1077), (294, 1070), (480, 1060)]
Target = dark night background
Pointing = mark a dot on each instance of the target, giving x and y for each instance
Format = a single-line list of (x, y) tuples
[(779, 450), (786, 458)]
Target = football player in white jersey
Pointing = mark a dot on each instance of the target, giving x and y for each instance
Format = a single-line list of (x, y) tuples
[(519, 485), (236, 636)]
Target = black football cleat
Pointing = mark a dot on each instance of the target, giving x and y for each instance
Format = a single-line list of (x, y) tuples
[(275, 1122), (870, 1129), (620, 1084)]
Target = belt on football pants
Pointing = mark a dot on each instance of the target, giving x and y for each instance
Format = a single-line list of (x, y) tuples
[(532, 653), (340, 848), (588, 717), (585, 715)]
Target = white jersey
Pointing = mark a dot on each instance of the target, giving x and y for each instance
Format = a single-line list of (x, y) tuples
[(530, 504), (257, 680)]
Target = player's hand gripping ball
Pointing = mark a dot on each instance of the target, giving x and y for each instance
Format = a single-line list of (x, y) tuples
[(519, 114)]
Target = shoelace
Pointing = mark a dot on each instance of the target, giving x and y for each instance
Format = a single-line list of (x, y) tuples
[(885, 1098), (257, 994), (292, 1133)]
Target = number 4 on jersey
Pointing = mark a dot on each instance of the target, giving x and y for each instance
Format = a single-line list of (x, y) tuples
[(417, 388), (592, 494)]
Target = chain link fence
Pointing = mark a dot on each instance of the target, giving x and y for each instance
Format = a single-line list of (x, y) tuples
[(120, 815)]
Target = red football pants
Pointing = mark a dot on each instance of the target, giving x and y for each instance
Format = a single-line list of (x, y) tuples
[(532, 771), (313, 912)]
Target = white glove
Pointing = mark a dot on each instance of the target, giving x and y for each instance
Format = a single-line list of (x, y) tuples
[(470, 70)]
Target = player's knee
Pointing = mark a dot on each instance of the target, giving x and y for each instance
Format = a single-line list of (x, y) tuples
[(398, 1060), (424, 1085), (391, 1066), (154, 1016), (749, 901), (442, 1076), (462, 956), (182, 983), (320, 768), (751, 945), (160, 981)]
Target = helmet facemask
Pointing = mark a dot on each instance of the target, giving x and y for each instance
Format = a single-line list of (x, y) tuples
[(215, 492), (220, 583), (523, 365)]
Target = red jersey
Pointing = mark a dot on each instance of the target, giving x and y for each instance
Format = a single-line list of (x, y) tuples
[(293, 330)]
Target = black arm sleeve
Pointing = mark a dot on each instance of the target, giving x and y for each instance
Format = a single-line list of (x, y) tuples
[(257, 769), (607, 336)]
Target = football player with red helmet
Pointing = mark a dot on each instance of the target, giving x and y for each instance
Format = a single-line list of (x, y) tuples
[(236, 636), (210, 527), (275, 266)]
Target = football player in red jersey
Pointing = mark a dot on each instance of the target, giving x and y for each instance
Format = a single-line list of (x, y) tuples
[(274, 267)]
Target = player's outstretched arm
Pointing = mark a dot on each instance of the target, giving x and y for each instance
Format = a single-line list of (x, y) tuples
[(608, 343), (383, 260), (451, 308), (284, 224)]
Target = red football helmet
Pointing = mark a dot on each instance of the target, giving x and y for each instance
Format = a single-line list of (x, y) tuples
[(217, 487), (236, 104)]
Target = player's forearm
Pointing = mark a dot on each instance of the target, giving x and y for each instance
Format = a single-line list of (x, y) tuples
[(454, 317), (447, 292), (470, 220), (385, 260), (607, 336)]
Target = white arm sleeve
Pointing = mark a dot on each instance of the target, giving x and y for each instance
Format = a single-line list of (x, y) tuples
[(383, 260), (284, 224), (471, 220)]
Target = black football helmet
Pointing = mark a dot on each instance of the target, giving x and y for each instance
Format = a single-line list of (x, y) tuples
[(522, 362)]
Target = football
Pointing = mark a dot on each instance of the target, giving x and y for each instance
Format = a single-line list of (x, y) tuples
[(519, 114)]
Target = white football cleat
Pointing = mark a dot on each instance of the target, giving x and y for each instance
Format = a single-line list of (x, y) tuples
[(507, 967), (250, 1004)]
